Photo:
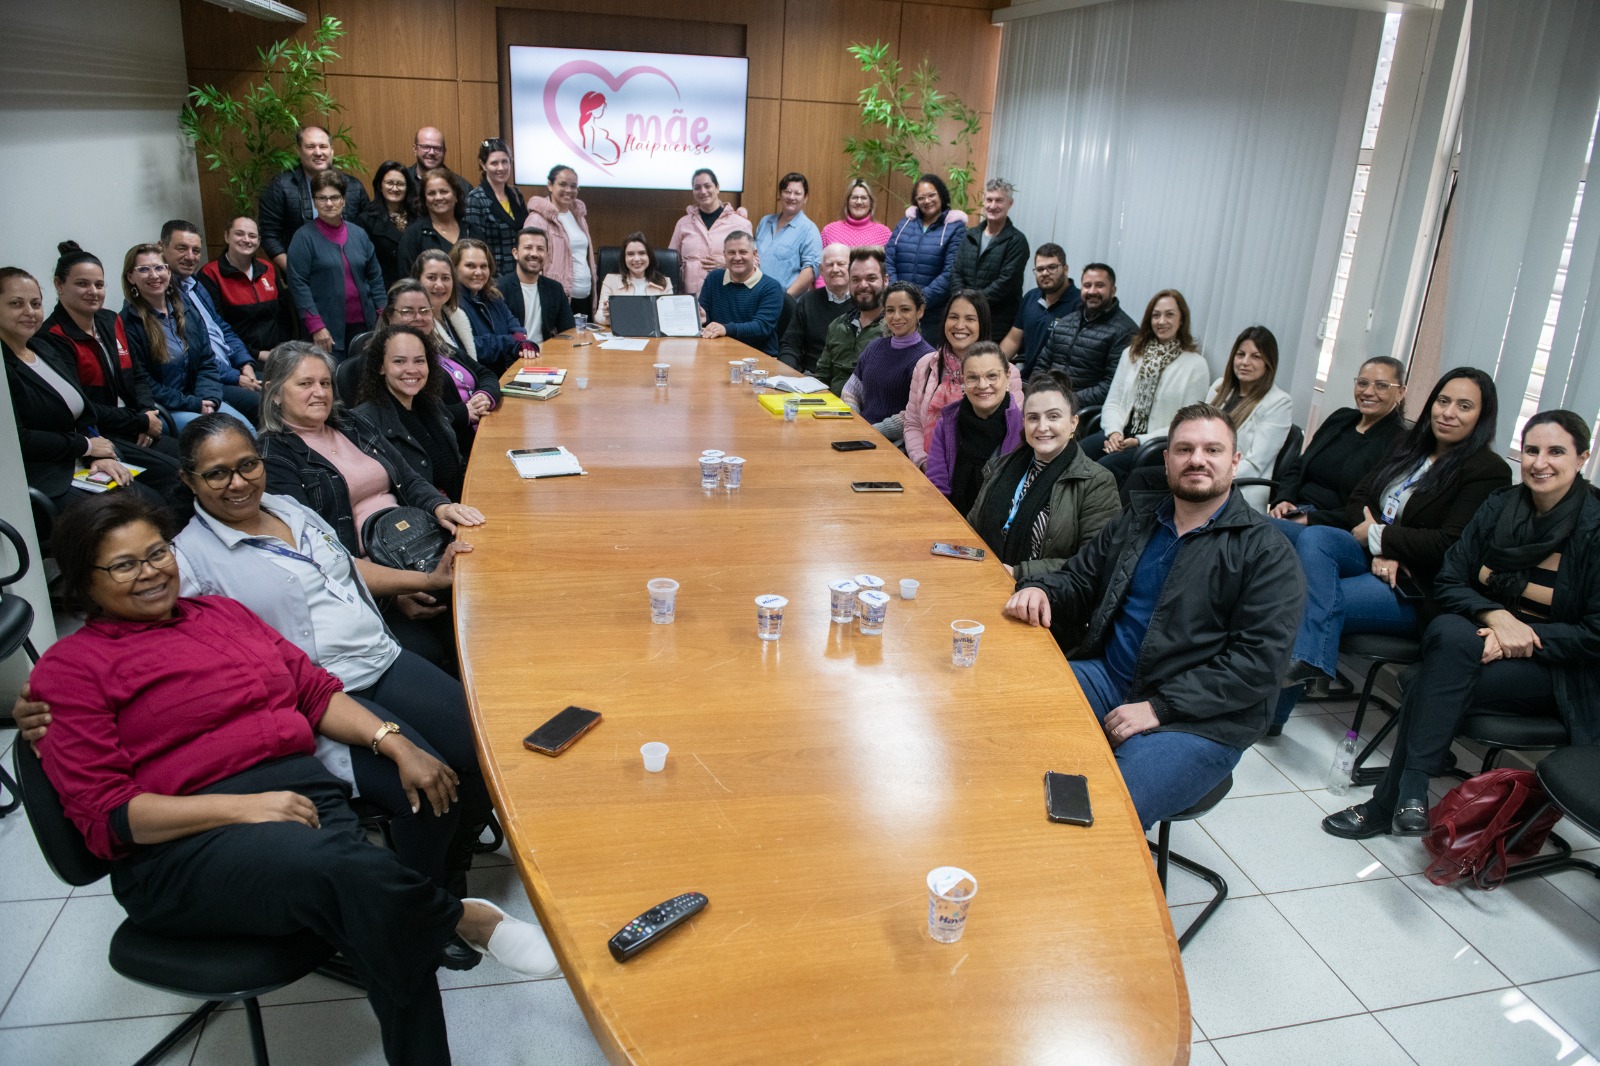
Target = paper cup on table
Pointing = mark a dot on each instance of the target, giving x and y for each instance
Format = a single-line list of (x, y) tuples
[(950, 892), (874, 608), (908, 588), (663, 600), (964, 636), (769, 616), (655, 759), (842, 601)]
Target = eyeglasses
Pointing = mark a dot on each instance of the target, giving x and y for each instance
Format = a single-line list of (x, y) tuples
[(428, 147), (395, 183), (125, 570), (412, 312), (151, 268), (329, 198), (991, 378), (222, 476), (1381, 387), (1047, 268)]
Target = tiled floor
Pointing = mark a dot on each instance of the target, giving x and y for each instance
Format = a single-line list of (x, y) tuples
[(1326, 951)]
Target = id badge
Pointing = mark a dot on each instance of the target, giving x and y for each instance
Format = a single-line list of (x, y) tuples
[(1391, 510)]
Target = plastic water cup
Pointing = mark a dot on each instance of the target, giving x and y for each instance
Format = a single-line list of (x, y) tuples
[(950, 893), (655, 760), (663, 600), (732, 472), (964, 636), (661, 374), (909, 587), (791, 410), (873, 607), (758, 380), (842, 601), (735, 371), (580, 331), (749, 366), (583, 383), (867, 581), (769, 616), (710, 471)]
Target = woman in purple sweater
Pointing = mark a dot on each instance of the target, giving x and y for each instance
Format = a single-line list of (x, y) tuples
[(881, 383), (986, 423)]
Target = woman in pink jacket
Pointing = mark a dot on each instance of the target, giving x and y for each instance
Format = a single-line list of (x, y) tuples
[(705, 224), (936, 381), (566, 222)]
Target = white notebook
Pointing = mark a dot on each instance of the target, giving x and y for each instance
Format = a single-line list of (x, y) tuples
[(544, 462), (789, 383)]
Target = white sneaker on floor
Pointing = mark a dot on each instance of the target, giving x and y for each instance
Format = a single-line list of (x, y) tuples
[(518, 946)]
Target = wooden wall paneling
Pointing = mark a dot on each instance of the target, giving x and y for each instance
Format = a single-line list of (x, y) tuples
[(615, 213), (385, 113), (643, 33), (813, 143), (396, 38), (815, 36), (215, 38), (480, 118), (961, 44), (761, 152)]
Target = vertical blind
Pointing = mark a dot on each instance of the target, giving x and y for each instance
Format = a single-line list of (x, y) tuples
[(1204, 147)]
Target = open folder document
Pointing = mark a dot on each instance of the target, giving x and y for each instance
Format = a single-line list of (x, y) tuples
[(544, 462)]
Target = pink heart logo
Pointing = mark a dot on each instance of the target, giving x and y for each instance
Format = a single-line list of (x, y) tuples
[(615, 84)]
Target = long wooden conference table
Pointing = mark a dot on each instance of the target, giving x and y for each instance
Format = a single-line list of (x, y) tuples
[(813, 781)]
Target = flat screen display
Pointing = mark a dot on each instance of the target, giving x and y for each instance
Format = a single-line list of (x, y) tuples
[(627, 120)]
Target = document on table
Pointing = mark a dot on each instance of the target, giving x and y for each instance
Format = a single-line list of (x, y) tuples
[(544, 462), (678, 316), (626, 344)]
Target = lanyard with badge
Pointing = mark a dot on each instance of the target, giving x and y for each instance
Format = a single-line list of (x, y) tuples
[(1391, 501), (277, 547), (1016, 502)]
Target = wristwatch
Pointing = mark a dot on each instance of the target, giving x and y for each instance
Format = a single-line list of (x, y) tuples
[(383, 730)]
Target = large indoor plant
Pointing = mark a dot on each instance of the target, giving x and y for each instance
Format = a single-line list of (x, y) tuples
[(251, 137), (902, 116)]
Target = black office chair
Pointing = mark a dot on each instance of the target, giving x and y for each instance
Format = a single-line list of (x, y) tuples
[(1088, 421), (347, 381), (667, 262), (1378, 651), (16, 622), (216, 969), (45, 513), (357, 348), (1162, 849), (1572, 778), (1148, 473), (1286, 455)]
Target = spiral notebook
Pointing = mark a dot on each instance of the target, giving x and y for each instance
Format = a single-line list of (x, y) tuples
[(545, 462)]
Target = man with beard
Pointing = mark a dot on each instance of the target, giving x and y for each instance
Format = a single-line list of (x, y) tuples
[(851, 333), (536, 301), (1088, 344), (1191, 602), (1053, 296)]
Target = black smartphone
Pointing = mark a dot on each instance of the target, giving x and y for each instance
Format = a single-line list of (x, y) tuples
[(853, 445), (559, 733), (877, 486), (957, 551), (1408, 589), (1296, 513), (833, 412), (1066, 798)]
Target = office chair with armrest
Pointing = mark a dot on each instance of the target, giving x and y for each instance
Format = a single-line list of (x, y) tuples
[(667, 262), (1286, 455), (1571, 776), (16, 622)]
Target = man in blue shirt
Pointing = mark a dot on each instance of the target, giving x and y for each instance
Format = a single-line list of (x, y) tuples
[(1192, 601), (185, 253), (1053, 295), (740, 301)]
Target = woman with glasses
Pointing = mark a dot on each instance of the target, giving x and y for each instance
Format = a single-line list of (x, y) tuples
[(471, 391), (856, 228), (334, 275), (193, 774), (496, 209), (1346, 446), (566, 223), (441, 219), (387, 215), (983, 425), (937, 379)]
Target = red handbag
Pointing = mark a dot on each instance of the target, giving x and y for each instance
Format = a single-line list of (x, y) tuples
[(1487, 824)]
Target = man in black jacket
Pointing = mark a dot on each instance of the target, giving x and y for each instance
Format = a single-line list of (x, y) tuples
[(801, 344), (993, 258), (538, 302), (285, 203), (1192, 602), (1087, 344)]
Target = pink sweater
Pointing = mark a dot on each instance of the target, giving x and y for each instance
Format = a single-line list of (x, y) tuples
[(863, 234), (558, 264)]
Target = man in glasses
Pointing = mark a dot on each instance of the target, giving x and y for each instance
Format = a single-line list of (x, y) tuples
[(285, 203), (429, 147), (1052, 296)]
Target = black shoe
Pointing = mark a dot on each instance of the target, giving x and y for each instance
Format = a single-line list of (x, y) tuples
[(1354, 823), (1275, 729), (1411, 820), (1301, 672), (459, 955)]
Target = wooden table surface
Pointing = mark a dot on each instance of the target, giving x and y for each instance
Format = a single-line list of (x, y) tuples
[(813, 781)]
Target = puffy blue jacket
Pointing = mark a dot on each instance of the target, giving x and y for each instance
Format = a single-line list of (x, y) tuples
[(495, 332), (187, 377), (926, 257)]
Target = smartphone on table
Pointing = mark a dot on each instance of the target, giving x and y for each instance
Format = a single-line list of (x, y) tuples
[(562, 731), (1066, 798)]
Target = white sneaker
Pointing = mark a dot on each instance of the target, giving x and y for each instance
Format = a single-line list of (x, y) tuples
[(518, 946)]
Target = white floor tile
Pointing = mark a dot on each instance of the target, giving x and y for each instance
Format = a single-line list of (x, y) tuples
[(553, 1031), (1304, 753), (1249, 970), (1190, 840), (308, 1034), (1385, 944), (23, 873), (1503, 1028), (1279, 844), (71, 981), (103, 1042), (1529, 929), (1358, 1039), (1255, 776), (25, 923), (1402, 855), (1574, 1004), (1581, 885), (1204, 1054)]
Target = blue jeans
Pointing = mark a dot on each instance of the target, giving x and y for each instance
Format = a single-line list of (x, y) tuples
[(183, 418), (1166, 771)]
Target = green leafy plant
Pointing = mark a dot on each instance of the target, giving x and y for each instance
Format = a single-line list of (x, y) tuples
[(250, 138), (902, 115)]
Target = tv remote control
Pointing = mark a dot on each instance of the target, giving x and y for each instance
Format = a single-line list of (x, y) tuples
[(653, 924)]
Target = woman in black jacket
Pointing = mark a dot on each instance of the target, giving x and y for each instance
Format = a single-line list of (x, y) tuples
[(1519, 632), (470, 390), (387, 215), (402, 394), (1369, 566), (340, 466)]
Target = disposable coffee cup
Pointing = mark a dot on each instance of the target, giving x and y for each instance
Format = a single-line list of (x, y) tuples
[(663, 600), (655, 760), (964, 636), (732, 472), (908, 588), (842, 601), (950, 893), (769, 616), (874, 608), (661, 374)]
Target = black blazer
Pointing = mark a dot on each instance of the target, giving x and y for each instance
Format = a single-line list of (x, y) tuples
[(420, 236), (52, 439), (1434, 517), (384, 413), (1375, 444), (555, 310)]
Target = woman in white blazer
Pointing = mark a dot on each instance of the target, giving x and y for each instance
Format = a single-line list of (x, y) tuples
[(1260, 411), (1161, 371)]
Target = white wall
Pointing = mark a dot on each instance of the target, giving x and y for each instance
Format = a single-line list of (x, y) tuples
[(89, 98)]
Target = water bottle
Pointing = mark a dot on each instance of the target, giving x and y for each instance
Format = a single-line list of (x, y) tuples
[(1344, 758)]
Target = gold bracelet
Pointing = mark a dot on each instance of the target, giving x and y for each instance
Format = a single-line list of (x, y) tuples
[(383, 730)]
